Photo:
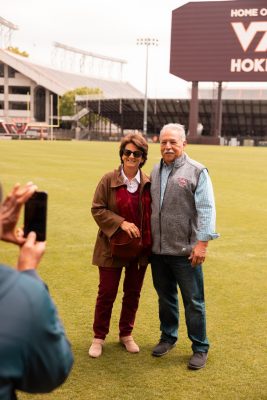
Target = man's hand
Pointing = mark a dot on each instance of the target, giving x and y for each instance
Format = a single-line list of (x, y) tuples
[(30, 253), (10, 210), (198, 254)]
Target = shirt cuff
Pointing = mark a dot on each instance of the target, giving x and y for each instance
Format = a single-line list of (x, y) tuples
[(205, 237)]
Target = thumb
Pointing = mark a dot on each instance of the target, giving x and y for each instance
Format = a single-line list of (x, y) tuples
[(31, 238)]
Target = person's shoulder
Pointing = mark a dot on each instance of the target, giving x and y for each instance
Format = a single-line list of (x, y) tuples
[(144, 177), (5, 270), (156, 166), (110, 175), (27, 291), (36, 299), (194, 163), (32, 286), (7, 277), (10, 277)]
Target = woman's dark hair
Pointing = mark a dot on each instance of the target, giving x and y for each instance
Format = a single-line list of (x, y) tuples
[(139, 141)]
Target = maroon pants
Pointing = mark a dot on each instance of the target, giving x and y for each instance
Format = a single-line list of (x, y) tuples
[(109, 279)]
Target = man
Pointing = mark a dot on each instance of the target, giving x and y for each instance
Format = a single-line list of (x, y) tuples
[(35, 355), (183, 221)]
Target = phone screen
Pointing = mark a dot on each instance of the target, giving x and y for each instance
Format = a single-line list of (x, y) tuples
[(35, 213)]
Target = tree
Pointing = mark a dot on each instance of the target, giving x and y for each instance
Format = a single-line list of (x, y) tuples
[(17, 51), (67, 102)]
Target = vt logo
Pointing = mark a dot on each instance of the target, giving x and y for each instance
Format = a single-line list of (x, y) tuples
[(246, 36)]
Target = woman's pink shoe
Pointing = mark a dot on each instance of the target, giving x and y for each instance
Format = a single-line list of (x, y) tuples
[(129, 344), (96, 348)]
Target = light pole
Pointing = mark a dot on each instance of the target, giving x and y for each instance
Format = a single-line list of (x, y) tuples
[(146, 42)]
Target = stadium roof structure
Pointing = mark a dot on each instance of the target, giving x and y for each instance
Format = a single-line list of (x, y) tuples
[(239, 117), (59, 82)]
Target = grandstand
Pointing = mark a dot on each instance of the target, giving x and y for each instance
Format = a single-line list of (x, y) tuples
[(243, 119)]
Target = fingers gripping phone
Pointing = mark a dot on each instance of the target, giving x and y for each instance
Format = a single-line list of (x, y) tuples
[(35, 215)]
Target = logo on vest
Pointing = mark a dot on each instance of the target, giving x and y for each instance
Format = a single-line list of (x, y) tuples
[(182, 182)]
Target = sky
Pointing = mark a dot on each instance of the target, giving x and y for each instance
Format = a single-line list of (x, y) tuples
[(106, 27)]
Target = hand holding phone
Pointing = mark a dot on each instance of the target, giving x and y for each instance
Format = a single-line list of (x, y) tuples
[(30, 253), (35, 215)]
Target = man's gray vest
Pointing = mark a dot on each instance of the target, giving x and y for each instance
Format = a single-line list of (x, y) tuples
[(174, 224)]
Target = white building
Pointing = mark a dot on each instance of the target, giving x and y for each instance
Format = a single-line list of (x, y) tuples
[(29, 92)]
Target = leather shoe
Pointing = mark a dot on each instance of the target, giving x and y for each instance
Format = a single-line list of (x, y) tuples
[(198, 360), (129, 344), (162, 348), (96, 347)]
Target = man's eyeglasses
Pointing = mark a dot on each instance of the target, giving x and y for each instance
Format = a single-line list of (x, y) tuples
[(136, 153)]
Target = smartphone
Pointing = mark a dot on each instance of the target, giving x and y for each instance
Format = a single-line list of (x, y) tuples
[(35, 215)]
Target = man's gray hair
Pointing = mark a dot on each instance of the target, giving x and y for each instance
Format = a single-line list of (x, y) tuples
[(178, 128)]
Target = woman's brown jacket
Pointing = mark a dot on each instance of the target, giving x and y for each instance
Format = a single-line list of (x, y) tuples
[(105, 213)]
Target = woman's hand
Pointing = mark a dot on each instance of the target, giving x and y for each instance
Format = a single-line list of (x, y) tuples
[(30, 253), (131, 229), (10, 210)]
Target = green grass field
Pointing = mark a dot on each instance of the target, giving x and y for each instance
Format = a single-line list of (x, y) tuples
[(235, 276)]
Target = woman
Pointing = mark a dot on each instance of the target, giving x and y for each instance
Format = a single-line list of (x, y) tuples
[(121, 203)]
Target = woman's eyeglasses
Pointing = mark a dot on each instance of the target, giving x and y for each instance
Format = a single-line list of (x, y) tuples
[(136, 153)]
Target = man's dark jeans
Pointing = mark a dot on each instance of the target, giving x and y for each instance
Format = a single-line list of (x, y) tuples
[(168, 272)]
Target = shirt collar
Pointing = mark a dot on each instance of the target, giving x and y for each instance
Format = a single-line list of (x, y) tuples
[(137, 176), (176, 163), (167, 166)]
